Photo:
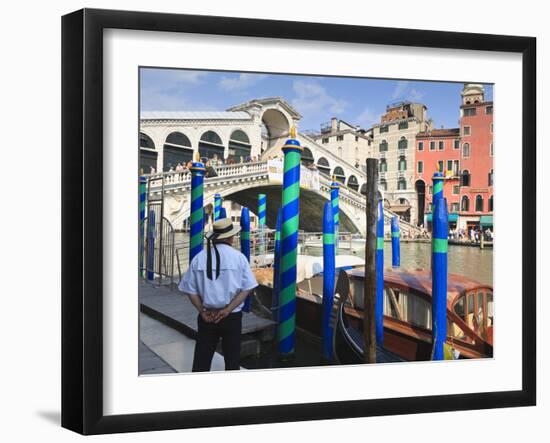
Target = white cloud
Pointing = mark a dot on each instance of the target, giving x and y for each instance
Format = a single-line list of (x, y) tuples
[(403, 91), (239, 83), (312, 97), (189, 77), (399, 89), (367, 118)]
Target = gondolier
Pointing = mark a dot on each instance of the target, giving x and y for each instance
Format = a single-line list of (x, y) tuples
[(217, 282)]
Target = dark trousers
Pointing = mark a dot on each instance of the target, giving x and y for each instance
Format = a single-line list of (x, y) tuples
[(229, 330)]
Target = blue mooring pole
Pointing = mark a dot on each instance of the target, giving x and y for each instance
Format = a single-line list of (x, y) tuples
[(334, 198), (379, 307), (217, 206), (196, 231), (223, 213), (151, 245), (245, 245), (395, 246), (329, 270), (276, 267), (440, 231), (142, 210)]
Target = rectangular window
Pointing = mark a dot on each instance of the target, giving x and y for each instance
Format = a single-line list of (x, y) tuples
[(420, 146), (456, 189), (449, 165), (456, 167), (420, 167), (489, 110), (324, 141), (491, 150), (403, 125), (432, 146), (339, 138), (466, 130), (468, 112), (383, 129), (457, 144), (356, 138), (440, 165), (491, 128), (441, 145), (454, 207)]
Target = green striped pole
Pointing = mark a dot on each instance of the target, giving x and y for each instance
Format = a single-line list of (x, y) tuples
[(262, 205), (142, 204), (289, 244), (334, 194), (196, 233), (217, 206)]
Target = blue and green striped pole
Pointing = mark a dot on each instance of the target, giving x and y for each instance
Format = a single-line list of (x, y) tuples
[(440, 231), (334, 193), (217, 206), (329, 270), (395, 246), (379, 305), (151, 245), (142, 204), (245, 245), (262, 206), (196, 232), (289, 244), (277, 267)]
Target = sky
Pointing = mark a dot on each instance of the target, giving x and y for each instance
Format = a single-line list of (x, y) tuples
[(358, 101)]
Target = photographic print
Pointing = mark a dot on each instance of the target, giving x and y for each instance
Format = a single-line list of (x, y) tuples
[(297, 220)]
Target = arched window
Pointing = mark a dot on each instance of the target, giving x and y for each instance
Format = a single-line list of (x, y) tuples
[(307, 157), (239, 146), (465, 204), (177, 149), (383, 146), (210, 145), (353, 183), (490, 209), (363, 189), (466, 178), (479, 203), (383, 165), (383, 184), (466, 150), (402, 164), (401, 184), (147, 154), (323, 166), (339, 174), (402, 144), (490, 178)]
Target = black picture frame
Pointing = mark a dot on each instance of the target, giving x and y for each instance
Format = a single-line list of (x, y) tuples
[(82, 218)]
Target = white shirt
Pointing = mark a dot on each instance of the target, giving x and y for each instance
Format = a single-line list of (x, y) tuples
[(235, 277)]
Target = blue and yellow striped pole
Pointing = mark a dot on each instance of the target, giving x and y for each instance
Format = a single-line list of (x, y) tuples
[(217, 206), (142, 205), (334, 194), (196, 233), (329, 270), (277, 267), (289, 244), (379, 305), (262, 206), (439, 278), (245, 245), (395, 246), (151, 245)]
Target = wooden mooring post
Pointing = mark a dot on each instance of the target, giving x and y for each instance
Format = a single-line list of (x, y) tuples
[(369, 295)]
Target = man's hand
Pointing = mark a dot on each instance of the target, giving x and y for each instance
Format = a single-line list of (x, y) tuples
[(221, 314), (207, 316)]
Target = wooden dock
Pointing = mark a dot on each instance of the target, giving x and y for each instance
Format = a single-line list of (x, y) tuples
[(174, 309)]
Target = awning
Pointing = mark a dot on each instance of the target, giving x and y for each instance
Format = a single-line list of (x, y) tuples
[(453, 217), (486, 220)]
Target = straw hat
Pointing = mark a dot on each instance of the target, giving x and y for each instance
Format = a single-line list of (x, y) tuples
[(223, 228)]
